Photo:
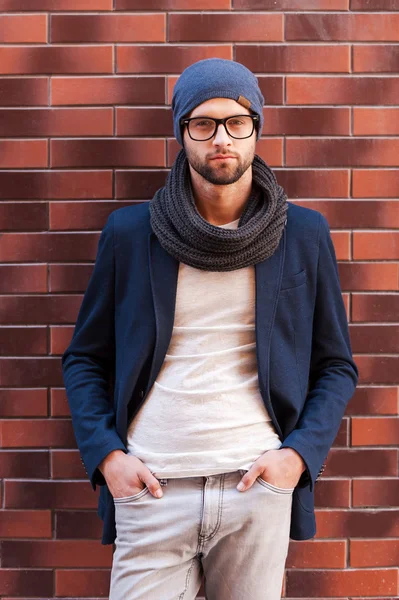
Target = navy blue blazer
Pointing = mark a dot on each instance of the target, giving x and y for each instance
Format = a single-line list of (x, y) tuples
[(305, 366)]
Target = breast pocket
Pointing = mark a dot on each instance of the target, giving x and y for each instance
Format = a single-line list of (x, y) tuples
[(293, 281)]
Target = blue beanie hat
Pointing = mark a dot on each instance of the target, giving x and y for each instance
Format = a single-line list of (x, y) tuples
[(215, 78)]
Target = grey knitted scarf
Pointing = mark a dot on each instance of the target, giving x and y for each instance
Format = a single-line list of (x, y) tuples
[(187, 236)]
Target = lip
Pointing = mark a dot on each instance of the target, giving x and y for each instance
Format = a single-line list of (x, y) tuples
[(222, 157)]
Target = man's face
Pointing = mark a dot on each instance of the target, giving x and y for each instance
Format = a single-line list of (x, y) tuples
[(221, 160)]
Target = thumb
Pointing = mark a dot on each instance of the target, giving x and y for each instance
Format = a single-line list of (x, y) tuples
[(151, 482), (248, 479)]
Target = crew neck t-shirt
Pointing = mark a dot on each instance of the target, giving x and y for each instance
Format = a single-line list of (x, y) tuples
[(204, 414)]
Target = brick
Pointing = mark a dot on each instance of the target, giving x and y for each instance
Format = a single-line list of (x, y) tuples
[(23, 154), (376, 245), (83, 216), (332, 493), (48, 246), (23, 403), (375, 431), (56, 185), (108, 28), (69, 278), (56, 553), (341, 439), (29, 216), (375, 58), (24, 464), (31, 372), (375, 492), (342, 28), (357, 523), (374, 553), (361, 463), (25, 524), (357, 213), (316, 555), (342, 583), (291, 4), (54, 5), (59, 403), (78, 582), (342, 90), (107, 90), (108, 153), (314, 183), (138, 185), (28, 582), (378, 369), (374, 5), (49, 494), (66, 464), (144, 121), (16, 279), (60, 338), (78, 525), (172, 4), (233, 27), (376, 183), (272, 88), (375, 121), (295, 57), (342, 152), (165, 59), (56, 59), (374, 401), (375, 338), (23, 341), (375, 307), (345, 298), (40, 310), (369, 276), (23, 29), (57, 122), (306, 121), (25, 91), (341, 241), (38, 433)]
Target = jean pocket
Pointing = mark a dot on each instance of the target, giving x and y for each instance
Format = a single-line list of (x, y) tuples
[(274, 488), (140, 494)]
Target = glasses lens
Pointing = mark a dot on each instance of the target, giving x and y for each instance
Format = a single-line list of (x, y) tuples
[(201, 129), (240, 127)]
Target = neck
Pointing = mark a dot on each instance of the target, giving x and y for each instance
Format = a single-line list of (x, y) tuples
[(220, 204)]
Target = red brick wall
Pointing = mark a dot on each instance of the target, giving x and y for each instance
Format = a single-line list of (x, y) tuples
[(85, 126)]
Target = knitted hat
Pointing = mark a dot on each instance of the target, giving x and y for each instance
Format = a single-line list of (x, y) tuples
[(215, 78)]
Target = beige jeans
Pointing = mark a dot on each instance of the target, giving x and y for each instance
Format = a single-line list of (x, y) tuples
[(202, 526)]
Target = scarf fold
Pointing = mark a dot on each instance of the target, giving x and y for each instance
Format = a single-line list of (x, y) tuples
[(191, 239)]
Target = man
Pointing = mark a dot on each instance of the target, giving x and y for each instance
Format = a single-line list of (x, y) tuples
[(215, 314)]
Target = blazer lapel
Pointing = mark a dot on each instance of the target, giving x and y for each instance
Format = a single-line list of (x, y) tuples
[(268, 276), (164, 270)]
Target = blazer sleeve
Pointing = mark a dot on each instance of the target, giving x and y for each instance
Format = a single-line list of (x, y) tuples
[(88, 363), (333, 374)]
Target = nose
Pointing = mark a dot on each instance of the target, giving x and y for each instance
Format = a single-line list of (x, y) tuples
[(221, 137)]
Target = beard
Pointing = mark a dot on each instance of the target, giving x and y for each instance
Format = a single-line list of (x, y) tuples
[(220, 172)]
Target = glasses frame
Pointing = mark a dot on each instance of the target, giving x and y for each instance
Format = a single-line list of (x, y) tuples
[(186, 121)]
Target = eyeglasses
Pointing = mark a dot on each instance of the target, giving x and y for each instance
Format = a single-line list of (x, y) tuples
[(239, 127)]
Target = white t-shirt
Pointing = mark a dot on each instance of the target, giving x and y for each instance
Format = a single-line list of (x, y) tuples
[(204, 414)]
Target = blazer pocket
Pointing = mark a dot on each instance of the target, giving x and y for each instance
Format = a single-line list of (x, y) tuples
[(293, 281)]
